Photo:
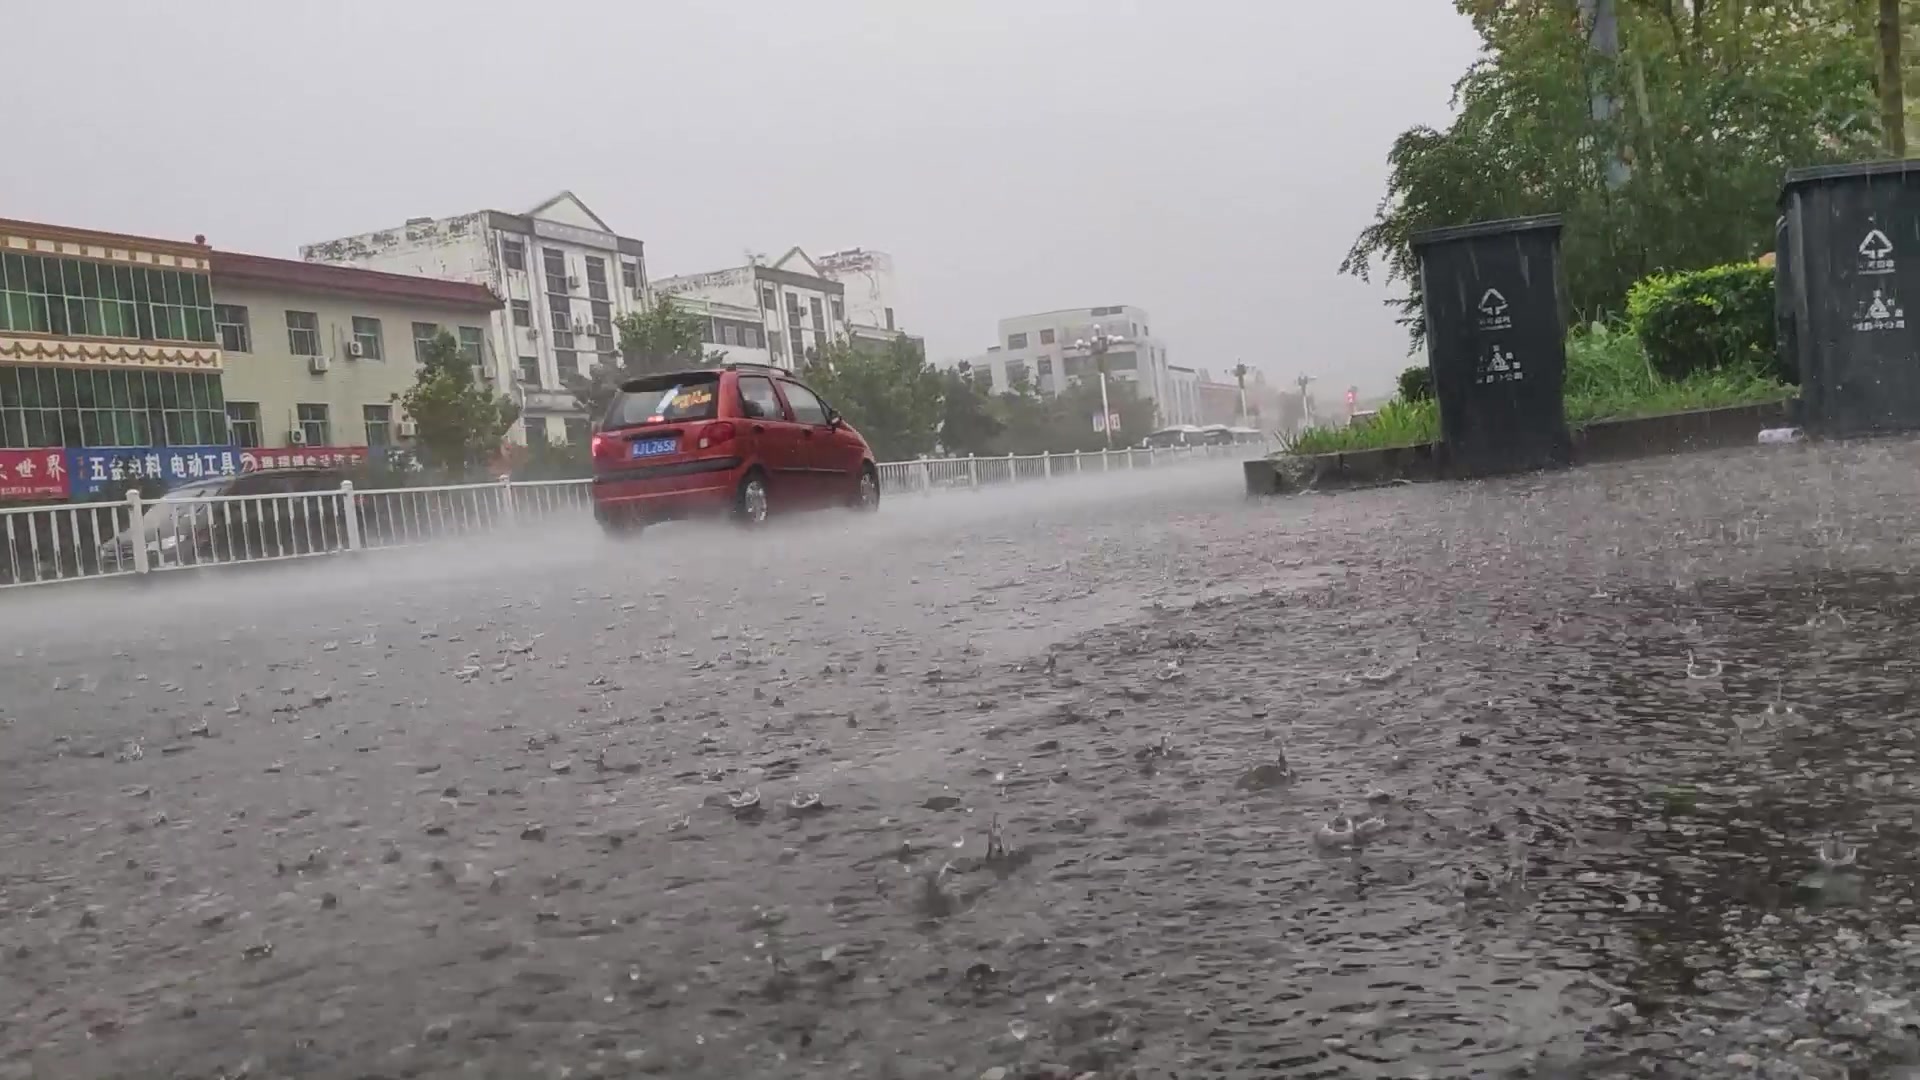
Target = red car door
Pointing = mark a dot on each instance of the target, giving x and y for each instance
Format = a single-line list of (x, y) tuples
[(817, 446), (775, 440)]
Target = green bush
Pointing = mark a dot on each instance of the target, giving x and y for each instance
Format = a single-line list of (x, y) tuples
[(1416, 383), (1716, 319)]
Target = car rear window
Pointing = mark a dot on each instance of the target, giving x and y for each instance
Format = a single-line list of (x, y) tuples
[(664, 400)]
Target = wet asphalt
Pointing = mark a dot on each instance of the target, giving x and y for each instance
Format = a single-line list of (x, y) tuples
[(1602, 773)]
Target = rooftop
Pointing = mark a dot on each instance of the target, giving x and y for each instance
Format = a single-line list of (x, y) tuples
[(42, 231), (232, 266)]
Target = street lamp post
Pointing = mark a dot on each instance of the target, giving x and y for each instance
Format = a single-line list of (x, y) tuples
[(1097, 346), (1240, 371)]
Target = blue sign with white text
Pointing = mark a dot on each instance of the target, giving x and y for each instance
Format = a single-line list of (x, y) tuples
[(94, 469)]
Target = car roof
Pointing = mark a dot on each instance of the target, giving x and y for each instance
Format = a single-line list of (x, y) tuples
[(716, 369)]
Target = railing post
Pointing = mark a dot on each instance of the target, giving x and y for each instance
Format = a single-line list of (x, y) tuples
[(1046, 464), (926, 478), (1078, 465), (136, 530), (508, 511), (350, 512), (1011, 467), (973, 472)]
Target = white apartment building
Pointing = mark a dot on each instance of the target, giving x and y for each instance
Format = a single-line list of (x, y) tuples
[(565, 276), (867, 276), (780, 313), (1039, 349)]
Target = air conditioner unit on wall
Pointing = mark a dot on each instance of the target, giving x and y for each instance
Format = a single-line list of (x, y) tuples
[(408, 429), (297, 437), (533, 333), (318, 364), (573, 283), (356, 350)]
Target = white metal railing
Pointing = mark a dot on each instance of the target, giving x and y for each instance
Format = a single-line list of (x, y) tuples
[(83, 541)]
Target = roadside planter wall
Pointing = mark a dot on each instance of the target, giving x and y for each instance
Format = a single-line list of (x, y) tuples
[(1848, 265), (1606, 440), (1496, 343)]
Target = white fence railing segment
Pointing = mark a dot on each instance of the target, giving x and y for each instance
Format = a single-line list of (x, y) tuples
[(85, 541)]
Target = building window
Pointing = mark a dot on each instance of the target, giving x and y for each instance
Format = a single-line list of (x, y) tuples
[(513, 251), (750, 337), (530, 370), (424, 335), (793, 309), (49, 406), (597, 278), (560, 312), (567, 362), (839, 311), (243, 419), (819, 320), (889, 318), (1016, 341), (727, 335), (236, 334), (1046, 337), (366, 334), (602, 319), (303, 333), (522, 313), (76, 298), (578, 430), (473, 346), (379, 421), (768, 298), (313, 426), (1046, 366), (536, 430), (798, 337), (630, 275), (556, 266)]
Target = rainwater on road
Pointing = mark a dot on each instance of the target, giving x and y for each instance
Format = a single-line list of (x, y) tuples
[(1601, 773)]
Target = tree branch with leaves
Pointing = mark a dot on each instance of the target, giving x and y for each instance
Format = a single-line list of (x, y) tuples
[(459, 421)]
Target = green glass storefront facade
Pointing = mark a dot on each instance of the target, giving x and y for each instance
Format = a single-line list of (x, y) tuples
[(110, 407)]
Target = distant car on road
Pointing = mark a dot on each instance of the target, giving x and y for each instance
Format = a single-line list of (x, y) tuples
[(743, 440), (258, 515)]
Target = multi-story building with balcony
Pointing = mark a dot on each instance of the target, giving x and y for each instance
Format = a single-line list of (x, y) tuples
[(564, 274), (110, 362)]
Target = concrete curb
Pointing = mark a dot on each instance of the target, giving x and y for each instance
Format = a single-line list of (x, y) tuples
[(1605, 440)]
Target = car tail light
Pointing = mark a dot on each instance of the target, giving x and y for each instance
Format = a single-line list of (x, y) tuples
[(715, 434), (602, 445)]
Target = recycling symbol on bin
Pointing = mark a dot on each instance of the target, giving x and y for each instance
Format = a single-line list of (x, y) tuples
[(1875, 245), (1493, 303)]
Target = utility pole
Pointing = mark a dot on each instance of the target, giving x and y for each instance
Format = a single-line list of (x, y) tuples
[(1097, 347), (1240, 372)]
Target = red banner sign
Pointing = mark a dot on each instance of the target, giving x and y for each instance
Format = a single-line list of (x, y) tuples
[(303, 457), (33, 474)]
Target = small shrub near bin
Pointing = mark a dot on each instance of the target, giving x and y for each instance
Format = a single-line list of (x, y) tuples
[(1706, 320)]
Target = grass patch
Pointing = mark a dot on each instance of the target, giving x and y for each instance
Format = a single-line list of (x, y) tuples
[(1608, 378)]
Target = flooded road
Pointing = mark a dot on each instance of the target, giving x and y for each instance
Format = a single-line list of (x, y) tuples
[(1604, 773)]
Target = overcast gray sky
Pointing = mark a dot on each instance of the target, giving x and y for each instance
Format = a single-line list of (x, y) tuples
[(1210, 160)]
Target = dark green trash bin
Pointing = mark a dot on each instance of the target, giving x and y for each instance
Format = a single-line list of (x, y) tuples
[(1847, 269), (1496, 343)]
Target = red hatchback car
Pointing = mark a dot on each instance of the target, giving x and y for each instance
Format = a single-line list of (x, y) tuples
[(743, 439)]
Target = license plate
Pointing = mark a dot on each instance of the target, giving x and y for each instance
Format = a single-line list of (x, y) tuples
[(655, 447)]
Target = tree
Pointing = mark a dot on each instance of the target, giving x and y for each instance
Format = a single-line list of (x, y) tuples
[(890, 394), (967, 422), (1079, 403), (1720, 99), (459, 421), (659, 339)]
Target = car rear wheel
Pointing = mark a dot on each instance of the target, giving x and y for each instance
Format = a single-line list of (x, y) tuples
[(750, 502), (866, 497)]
